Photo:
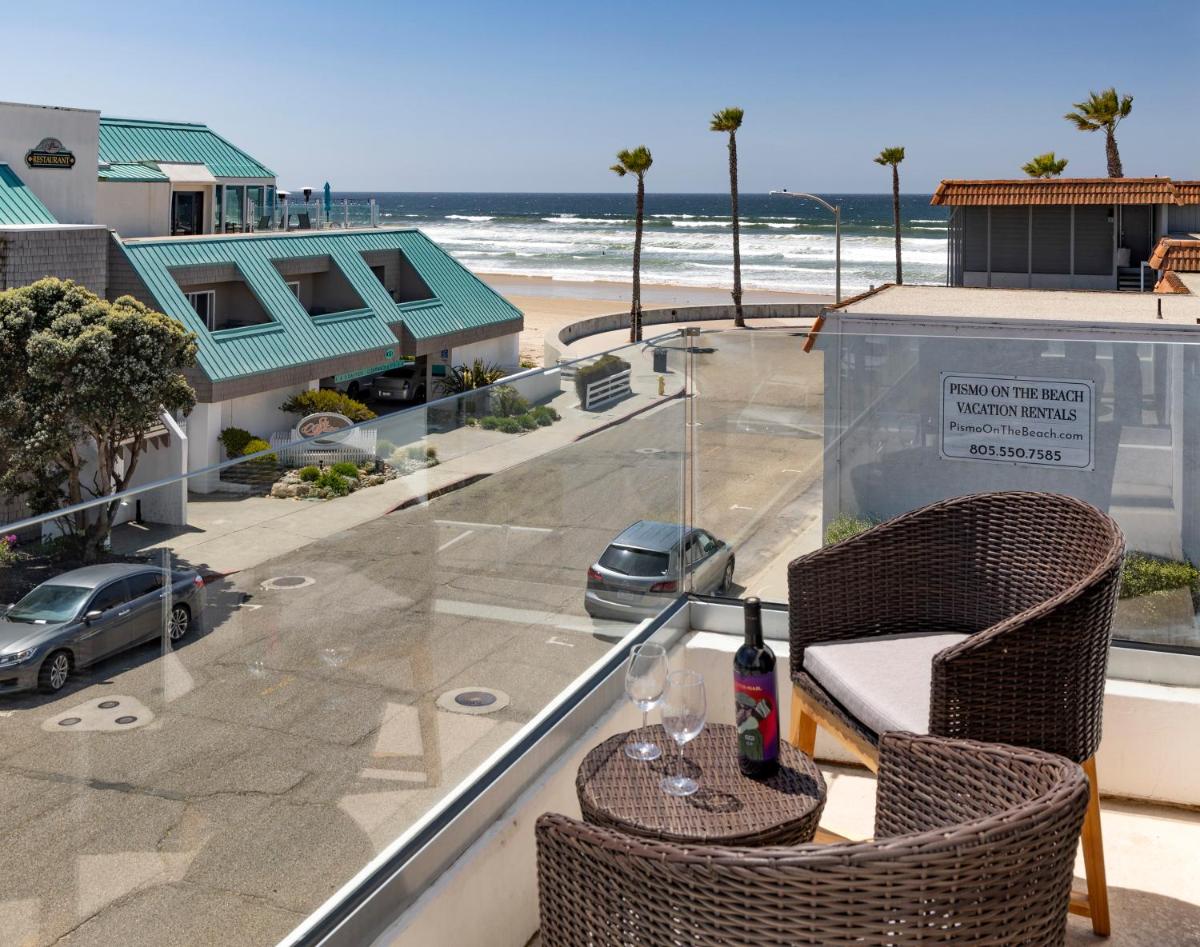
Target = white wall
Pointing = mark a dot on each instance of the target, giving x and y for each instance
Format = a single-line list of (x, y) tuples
[(135, 208), (504, 351), (259, 414), (69, 194)]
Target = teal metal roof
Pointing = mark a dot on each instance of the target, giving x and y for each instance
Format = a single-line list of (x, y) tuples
[(18, 204), (131, 172), (460, 300), (128, 140)]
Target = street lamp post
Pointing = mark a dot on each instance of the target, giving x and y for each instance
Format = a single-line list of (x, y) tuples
[(837, 235)]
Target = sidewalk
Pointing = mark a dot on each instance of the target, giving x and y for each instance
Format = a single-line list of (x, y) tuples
[(229, 533)]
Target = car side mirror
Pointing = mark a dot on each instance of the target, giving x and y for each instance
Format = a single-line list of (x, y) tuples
[(92, 615)]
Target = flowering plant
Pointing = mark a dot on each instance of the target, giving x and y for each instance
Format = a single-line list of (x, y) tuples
[(8, 549)]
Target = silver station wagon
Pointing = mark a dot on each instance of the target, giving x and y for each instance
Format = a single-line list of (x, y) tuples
[(638, 574), (86, 615)]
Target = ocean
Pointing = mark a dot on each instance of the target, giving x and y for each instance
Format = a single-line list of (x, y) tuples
[(787, 244)]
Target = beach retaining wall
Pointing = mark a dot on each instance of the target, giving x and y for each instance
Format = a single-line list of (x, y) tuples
[(666, 315)]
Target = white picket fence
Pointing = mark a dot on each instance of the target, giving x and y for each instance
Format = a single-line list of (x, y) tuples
[(355, 446), (607, 389)]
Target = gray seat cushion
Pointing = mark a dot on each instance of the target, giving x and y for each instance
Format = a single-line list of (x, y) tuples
[(884, 681)]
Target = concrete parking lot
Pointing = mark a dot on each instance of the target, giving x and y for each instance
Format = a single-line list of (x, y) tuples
[(313, 717)]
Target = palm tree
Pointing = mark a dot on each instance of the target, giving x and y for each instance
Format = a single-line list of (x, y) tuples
[(894, 156), (1045, 166), (636, 161), (1103, 110), (730, 120)]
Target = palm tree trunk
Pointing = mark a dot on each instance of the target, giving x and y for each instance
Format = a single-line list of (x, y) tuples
[(1114, 157), (739, 318), (896, 220), (635, 312)]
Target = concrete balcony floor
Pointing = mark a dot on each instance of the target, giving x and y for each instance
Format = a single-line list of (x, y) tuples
[(1150, 852)]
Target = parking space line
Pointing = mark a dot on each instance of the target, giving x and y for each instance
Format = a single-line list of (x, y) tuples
[(519, 529), (451, 542)]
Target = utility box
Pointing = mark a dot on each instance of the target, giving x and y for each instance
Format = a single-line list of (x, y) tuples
[(660, 360)]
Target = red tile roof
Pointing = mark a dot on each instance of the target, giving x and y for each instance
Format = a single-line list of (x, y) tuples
[(1187, 192), (1060, 191), (1170, 283), (1180, 255)]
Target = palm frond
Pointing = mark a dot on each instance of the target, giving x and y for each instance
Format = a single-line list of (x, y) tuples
[(891, 156), (1100, 110), (727, 120), (633, 161), (1045, 166)]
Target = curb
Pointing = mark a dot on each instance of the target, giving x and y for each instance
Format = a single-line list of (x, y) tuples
[(439, 491), (632, 414)]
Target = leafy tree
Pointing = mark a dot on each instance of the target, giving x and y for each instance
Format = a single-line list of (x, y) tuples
[(636, 161), (1103, 110), (464, 378), (730, 120), (1045, 166), (85, 382), (893, 157), (327, 400)]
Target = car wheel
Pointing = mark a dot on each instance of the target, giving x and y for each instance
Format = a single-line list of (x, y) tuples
[(353, 390), (727, 579), (181, 620), (55, 672)]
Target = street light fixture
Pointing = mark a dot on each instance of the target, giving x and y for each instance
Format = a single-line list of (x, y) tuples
[(837, 235)]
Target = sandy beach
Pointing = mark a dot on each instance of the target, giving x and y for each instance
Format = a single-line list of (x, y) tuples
[(550, 304)]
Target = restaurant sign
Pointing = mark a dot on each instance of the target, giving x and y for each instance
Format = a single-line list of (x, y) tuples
[(50, 153), (326, 428), (1043, 422)]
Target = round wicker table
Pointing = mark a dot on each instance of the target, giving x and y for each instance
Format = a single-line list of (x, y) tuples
[(728, 809)]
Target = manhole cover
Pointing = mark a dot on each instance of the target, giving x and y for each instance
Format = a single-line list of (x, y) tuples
[(473, 700), (126, 719), (287, 582), (69, 721), (107, 704)]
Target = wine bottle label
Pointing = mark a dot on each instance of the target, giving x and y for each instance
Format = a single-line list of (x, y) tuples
[(757, 716)]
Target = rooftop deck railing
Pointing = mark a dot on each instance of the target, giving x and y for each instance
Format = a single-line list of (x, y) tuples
[(373, 647)]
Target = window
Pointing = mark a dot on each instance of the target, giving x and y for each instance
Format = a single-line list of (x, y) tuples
[(629, 561), (144, 584), (708, 545), (294, 286), (205, 303), (110, 596)]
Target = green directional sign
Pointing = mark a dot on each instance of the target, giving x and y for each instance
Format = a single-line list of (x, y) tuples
[(392, 362)]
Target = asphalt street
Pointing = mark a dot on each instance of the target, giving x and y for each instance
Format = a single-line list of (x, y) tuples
[(312, 718)]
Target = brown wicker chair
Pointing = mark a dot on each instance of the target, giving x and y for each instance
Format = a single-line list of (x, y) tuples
[(1028, 584), (974, 843)]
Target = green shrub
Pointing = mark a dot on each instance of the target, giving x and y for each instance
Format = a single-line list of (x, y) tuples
[(845, 526), (527, 421), (345, 469), (235, 440), (1143, 574), (489, 423), (507, 403), (545, 415), (543, 420), (253, 446), (334, 482), (601, 368), (384, 447), (311, 402), (508, 425), (431, 453), (310, 473)]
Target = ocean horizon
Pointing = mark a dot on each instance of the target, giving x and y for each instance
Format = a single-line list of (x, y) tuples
[(787, 245)]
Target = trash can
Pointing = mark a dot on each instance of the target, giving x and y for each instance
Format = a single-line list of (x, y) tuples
[(660, 360)]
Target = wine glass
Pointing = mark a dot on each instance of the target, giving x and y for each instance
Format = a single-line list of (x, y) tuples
[(683, 711), (645, 679)]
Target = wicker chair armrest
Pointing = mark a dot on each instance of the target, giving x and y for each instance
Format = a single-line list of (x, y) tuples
[(1035, 679)]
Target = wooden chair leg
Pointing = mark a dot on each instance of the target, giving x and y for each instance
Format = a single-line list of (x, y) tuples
[(803, 733), (1093, 856)]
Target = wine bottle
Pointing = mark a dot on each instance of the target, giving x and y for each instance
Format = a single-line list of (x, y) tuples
[(757, 703)]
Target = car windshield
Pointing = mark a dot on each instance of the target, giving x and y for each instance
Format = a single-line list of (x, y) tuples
[(49, 603), (405, 372), (629, 561)]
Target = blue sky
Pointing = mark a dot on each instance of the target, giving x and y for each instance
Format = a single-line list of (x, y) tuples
[(537, 96)]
